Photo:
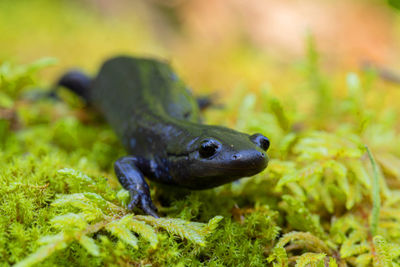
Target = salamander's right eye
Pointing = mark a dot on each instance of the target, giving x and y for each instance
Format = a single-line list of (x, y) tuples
[(260, 140), (209, 148)]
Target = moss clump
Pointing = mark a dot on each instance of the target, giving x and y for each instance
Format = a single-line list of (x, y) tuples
[(317, 203)]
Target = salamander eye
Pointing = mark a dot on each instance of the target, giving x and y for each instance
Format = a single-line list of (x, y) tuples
[(209, 148), (260, 140)]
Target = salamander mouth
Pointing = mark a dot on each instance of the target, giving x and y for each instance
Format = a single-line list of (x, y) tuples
[(208, 182), (240, 168), (251, 160), (245, 171)]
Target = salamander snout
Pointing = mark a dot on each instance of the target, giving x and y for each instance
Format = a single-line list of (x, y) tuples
[(253, 161), (249, 155), (260, 140)]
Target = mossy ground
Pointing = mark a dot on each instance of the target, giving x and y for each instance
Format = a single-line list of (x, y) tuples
[(61, 204)]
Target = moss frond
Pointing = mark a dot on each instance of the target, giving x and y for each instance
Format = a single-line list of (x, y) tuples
[(300, 218), (192, 231), (119, 229), (144, 230), (386, 254), (310, 259), (93, 213), (299, 241), (57, 242), (376, 199)]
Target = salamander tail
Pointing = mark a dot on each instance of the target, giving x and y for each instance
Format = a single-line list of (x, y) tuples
[(77, 82)]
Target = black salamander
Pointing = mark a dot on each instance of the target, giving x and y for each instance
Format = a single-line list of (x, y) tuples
[(158, 121)]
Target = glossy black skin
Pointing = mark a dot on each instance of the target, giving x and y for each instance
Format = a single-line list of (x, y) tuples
[(158, 122)]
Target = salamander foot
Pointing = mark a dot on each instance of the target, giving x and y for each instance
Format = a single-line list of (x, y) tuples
[(143, 201)]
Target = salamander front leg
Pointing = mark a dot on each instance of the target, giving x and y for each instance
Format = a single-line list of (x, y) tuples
[(131, 178)]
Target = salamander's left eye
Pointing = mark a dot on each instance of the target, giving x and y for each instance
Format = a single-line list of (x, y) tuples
[(209, 148)]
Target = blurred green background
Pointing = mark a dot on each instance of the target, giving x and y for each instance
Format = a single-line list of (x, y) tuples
[(214, 44)]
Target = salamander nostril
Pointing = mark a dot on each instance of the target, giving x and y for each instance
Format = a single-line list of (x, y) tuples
[(236, 156)]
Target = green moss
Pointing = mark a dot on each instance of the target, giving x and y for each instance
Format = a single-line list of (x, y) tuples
[(61, 204)]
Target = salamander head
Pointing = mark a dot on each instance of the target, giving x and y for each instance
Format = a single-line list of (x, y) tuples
[(221, 155)]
